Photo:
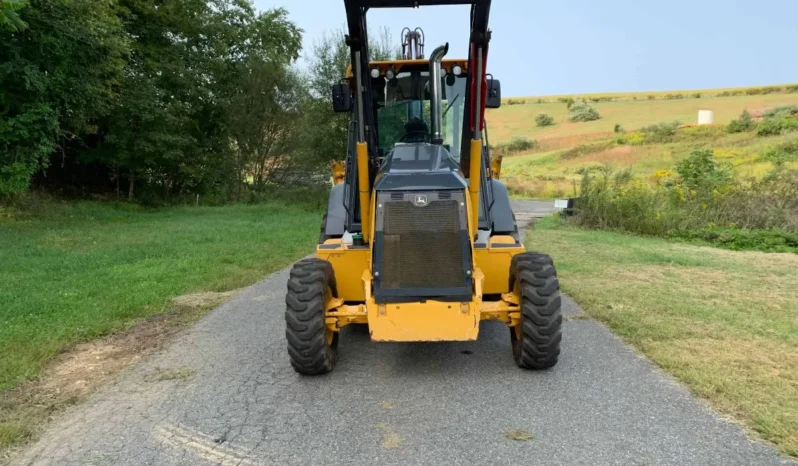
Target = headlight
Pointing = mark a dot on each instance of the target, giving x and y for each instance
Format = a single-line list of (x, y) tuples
[(443, 72), (390, 74), (375, 73), (457, 70)]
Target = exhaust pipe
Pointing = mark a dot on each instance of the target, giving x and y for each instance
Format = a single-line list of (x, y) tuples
[(435, 112)]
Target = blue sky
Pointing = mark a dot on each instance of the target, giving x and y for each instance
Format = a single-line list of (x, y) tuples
[(580, 46)]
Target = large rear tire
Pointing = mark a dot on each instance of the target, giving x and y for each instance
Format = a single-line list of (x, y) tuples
[(312, 348), (536, 342)]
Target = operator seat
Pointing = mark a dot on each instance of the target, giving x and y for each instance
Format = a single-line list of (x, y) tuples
[(416, 130)]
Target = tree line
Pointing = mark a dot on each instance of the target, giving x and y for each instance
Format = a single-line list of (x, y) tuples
[(164, 99)]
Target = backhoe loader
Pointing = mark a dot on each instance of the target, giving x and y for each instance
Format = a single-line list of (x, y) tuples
[(419, 241)]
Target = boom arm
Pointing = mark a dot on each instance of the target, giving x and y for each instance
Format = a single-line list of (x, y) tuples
[(475, 100)]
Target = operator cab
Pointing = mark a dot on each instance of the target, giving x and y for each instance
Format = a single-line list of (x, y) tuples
[(403, 108)]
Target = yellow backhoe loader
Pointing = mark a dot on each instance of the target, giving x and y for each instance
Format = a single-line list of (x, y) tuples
[(419, 241)]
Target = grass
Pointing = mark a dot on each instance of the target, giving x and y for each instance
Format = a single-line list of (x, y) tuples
[(511, 121), (84, 270), (554, 173), (724, 323)]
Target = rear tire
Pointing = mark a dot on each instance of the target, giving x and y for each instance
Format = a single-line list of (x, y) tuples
[(536, 342), (311, 348)]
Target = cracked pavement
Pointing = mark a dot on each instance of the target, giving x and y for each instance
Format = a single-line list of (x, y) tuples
[(240, 403)]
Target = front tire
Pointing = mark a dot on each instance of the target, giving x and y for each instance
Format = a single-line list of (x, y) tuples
[(312, 348), (536, 341)]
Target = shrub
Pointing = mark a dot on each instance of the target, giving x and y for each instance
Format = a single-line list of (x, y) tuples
[(633, 139), (784, 153), (517, 144), (569, 102), (582, 111), (674, 96), (775, 240), (762, 90), (515, 102), (651, 97), (705, 202), (701, 171), (697, 95), (792, 88), (777, 124), (742, 124), (618, 128), (589, 148), (784, 110), (660, 132), (544, 119)]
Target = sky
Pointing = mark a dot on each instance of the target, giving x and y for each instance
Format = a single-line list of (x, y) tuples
[(581, 46)]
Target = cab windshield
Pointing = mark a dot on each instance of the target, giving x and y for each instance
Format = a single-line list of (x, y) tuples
[(403, 111)]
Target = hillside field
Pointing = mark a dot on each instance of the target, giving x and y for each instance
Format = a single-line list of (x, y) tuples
[(548, 170)]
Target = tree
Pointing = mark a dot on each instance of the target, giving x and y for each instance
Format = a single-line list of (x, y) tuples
[(326, 130), (264, 119), (9, 16), (186, 66), (56, 79)]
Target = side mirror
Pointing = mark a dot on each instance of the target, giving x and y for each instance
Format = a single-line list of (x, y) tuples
[(342, 98), (494, 93)]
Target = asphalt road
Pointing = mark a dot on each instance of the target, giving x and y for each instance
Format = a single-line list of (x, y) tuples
[(224, 393)]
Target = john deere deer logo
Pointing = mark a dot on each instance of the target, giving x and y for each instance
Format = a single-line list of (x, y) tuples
[(420, 200)]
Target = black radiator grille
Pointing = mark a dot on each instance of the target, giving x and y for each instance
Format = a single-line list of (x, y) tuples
[(422, 246)]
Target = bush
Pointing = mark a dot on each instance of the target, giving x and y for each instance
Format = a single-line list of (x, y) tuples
[(762, 90), (784, 110), (742, 124), (697, 95), (589, 148), (660, 132), (651, 97), (582, 111), (775, 240), (569, 102), (515, 102), (706, 202), (777, 124), (674, 96), (792, 88), (544, 119), (701, 171), (517, 144), (618, 128), (782, 154)]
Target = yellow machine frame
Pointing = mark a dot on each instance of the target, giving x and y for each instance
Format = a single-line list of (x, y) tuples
[(429, 320)]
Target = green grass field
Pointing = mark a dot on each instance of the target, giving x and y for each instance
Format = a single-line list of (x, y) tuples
[(82, 270), (722, 322)]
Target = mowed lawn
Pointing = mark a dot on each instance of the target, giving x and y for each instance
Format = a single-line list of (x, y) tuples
[(724, 323), (83, 270)]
